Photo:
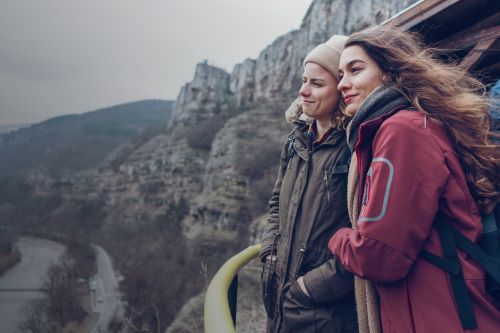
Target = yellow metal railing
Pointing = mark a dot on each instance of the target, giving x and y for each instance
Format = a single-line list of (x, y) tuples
[(218, 317)]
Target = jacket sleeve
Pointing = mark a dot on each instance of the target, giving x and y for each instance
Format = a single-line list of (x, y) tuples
[(272, 226), (328, 282), (399, 203)]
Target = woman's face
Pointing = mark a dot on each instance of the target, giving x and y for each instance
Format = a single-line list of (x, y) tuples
[(318, 94), (360, 76)]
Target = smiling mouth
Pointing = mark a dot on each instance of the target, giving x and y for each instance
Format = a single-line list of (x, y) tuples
[(348, 99)]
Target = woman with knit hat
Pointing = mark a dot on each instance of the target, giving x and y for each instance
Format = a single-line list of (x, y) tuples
[(304, 287)]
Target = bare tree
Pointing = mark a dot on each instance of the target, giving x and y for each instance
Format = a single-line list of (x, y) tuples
[(36, 320)]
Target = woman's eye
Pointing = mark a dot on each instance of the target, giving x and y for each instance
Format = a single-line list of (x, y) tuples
[(355, 69)]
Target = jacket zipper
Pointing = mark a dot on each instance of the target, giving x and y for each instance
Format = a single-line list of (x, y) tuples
[(299, 262), (277, 234), (272, 267), (325, 178), (368, 180)]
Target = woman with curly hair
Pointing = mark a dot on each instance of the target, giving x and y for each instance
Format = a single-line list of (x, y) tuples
[(422, 161)]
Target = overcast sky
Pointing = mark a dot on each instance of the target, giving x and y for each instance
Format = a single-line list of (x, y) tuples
[(72, 56)]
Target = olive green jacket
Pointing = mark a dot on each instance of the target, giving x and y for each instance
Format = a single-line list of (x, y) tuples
[(308, 205)]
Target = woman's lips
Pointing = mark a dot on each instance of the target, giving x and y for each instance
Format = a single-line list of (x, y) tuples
[(348, 99)]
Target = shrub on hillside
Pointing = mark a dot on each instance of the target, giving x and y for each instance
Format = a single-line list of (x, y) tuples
[(256, 159), (201, 136), (159, 274)]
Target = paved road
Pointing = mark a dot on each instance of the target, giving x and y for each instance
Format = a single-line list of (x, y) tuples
[(36, 259), (106, 297)]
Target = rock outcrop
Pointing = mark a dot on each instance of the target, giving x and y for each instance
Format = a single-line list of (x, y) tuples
[(205, 96), (242, 153)]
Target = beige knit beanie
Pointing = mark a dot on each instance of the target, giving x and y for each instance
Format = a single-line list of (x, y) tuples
[(327, 55)]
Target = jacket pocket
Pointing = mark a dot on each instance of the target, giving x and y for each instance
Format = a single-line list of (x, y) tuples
[(341, 172), (269, 287), (329, 282), (301, 314), (298, 311)]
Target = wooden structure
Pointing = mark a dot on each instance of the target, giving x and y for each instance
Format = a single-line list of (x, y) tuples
[(470, 29)]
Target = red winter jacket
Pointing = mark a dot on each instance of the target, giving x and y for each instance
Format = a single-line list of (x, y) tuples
[(411, 173)]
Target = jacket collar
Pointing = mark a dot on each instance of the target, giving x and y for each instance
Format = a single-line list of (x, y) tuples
[(382, 101), (302, 140)]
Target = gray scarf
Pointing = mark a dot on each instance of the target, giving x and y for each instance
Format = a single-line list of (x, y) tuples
[(381, 101)]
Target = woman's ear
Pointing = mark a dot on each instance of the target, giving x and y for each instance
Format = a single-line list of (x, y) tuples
[(387, 79)]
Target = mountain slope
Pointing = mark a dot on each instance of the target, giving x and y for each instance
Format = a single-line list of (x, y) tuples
[(76, 142)]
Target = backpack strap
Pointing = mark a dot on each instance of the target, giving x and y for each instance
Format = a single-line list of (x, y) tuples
[(490, 243), (487, 261), (451, 264), (290, 150)]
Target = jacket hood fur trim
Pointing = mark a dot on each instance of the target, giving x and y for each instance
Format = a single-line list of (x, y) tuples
[(295, 114)]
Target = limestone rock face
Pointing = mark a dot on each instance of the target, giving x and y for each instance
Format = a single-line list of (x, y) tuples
[(363, 13), (161, 171), (225, 207), (243, 81), (279, 66), (207, 94)]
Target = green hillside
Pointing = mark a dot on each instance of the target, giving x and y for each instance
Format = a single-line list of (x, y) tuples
[(77, 142)]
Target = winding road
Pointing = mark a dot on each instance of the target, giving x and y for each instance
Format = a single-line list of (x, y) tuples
[(23, 282), (106, 297)]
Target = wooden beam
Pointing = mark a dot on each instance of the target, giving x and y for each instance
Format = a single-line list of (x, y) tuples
[(469, 37), (476, 54), (417, 13)]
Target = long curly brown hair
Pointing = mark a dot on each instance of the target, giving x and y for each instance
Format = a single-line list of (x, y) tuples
[(446, 94)]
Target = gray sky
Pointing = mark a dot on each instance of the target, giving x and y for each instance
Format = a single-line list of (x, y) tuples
[(72, 56)]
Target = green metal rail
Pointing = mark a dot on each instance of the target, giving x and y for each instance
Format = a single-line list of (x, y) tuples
[(218, 317)]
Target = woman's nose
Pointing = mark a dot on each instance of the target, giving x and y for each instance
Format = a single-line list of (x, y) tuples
[(343, 84), (304, 90)]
